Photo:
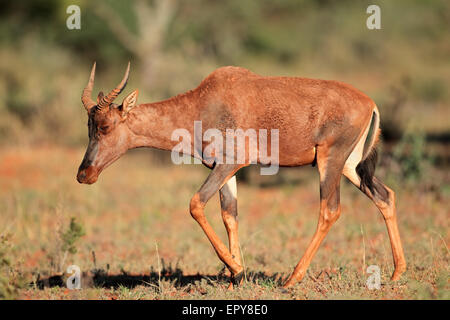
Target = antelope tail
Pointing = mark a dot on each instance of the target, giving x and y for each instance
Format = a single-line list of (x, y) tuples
[(366, 167)]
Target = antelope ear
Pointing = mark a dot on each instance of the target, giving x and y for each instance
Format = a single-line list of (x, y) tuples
[(100, 96), (129, 102)]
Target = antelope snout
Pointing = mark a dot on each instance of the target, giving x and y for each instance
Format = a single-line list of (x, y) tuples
[(88, 175)]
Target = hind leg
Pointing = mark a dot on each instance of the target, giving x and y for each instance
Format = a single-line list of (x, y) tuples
[(384, 199), (330, 171)]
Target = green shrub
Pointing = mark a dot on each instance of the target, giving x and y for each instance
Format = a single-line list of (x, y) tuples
[(71, 236)]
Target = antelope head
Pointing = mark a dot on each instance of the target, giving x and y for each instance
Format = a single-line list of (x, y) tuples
[(109, 135)]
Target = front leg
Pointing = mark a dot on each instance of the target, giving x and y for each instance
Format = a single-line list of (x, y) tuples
[(215, 181), (228, 205)]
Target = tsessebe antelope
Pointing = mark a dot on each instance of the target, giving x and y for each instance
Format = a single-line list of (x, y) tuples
[(327, 123)]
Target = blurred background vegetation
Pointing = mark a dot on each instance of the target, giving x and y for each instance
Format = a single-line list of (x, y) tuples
[(173, 45)]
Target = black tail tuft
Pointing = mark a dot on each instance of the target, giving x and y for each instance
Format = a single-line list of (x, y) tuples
[(366, 170)]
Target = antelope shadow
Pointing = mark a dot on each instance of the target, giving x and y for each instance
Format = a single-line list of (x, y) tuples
[(99, 278)]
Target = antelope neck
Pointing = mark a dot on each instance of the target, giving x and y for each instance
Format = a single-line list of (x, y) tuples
[(152, 124)]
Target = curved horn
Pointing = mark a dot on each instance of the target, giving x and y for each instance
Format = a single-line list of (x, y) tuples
[(88, 103), (108, 99)]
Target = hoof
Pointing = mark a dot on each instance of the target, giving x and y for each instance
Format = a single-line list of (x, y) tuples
[(289, 283), (236, 279), (398, 273)]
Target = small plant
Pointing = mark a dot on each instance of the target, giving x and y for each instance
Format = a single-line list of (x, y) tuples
[(71, 236), (5, 289), (67, 241), (10, 279)]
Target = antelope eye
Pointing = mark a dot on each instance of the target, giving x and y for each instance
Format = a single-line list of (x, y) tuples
[(104, 128)]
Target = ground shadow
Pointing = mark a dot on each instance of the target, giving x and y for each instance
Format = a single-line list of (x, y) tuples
[(102, 279)]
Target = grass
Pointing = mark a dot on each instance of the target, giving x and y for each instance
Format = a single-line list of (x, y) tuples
[(141, 243)]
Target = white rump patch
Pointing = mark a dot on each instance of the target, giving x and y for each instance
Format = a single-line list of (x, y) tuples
[(232, 186), (355, 157)]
